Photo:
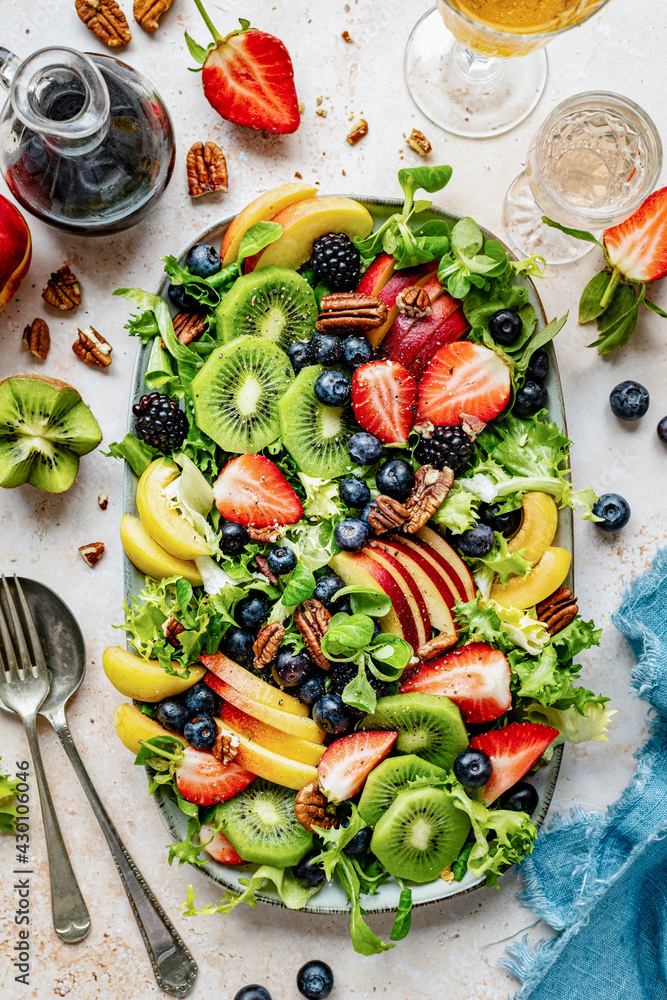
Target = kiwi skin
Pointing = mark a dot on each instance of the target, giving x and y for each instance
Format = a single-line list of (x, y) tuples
[(281, 841)]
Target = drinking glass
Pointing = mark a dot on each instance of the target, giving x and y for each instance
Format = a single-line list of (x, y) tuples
[(590, 165), (460, 65)]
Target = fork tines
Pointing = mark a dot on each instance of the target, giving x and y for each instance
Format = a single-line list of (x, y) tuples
[(12, 635)]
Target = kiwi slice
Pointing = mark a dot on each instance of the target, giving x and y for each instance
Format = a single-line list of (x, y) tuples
[(315, 435), (44, 429), (260, 824), (428, 725), (236, 394), (421, 833), (391, 777), (274, 302)]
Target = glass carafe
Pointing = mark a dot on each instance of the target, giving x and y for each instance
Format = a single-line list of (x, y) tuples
[(86, 143)]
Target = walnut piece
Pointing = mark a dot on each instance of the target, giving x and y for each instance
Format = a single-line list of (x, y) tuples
[(346, 36), (418, 141), (267, 644), (207, 169), (448, 874), (37, 338), (62, 289), (106, 20), (270, 533), (349, 311), (263, 566), (358, 132), (226, 746), (147, 13), (103, 501), (91, 554), (414, 301), (171, 630), (386, 514), (430, 489), (312, 809), (312, 618), (557, 610), (471, 425), (436, 646), (189, 326), (92, 348)]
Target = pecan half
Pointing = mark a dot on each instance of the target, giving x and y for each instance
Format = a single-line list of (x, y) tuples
[(62, 289), (37, 338), (414, 301), (226, 746), (271, 533), (263, 566), (557, 610), (436, 646), (358, 132), (342, 311), (103, 500), (106, 20), (312, 809), (92, 348), (312, 618), (207, 169), (189, 326), (386, 514), (418, 141), (147, 13), (171, 630), (430, 489), (91, 554), (267, 644)]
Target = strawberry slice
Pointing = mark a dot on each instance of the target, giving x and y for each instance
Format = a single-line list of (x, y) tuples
[(384, 400), (347, 763), (202, 779), (454, 327), (219, 847), (638, 246), (475, 677), (463, 378), (251, 489), (248, 77), (513, 751)]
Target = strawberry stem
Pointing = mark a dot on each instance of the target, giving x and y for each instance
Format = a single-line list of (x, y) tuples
[(209, 23), (609, 290)]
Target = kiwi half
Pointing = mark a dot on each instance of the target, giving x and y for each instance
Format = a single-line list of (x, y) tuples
[(274, 302), (428, 725), (44, 429), (421, 833), (391, 777), (315, 435), (236, 394), (260, 824)]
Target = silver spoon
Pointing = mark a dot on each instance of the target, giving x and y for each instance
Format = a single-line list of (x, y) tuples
[(62, 642)]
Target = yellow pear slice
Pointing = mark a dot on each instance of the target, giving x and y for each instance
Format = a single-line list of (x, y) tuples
[(150, 558), (145, 680), (132, 726), (162, 522)]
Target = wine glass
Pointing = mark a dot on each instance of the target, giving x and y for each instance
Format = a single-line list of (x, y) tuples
[(590, 165), (459, 66)]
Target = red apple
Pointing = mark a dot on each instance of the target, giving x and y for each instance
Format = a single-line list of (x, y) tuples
[(454, 327), (437, 566), (358, 568), (400, 281), (451, 561), (410, 589), (15, 250), (378, 274)]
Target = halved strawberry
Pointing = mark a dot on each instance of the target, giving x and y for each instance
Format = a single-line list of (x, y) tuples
[(248, 77), (219, 847), (475, 677), (454, 327), (251, 489), (463, 378), (384, 400), (638, 246), (513, 751), (202, 779), (346, 764)]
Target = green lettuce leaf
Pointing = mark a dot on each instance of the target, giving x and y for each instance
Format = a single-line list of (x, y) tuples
[(291, 892), (574, 725), (500, 563), (321, 497), (136, 453), (458, 511)]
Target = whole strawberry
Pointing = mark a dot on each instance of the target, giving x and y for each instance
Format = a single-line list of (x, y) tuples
[(248, 77)]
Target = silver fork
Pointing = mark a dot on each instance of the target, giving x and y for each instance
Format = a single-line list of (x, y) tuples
[(24, 684)]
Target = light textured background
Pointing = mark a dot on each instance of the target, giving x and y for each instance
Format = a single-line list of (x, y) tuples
[(452, 949)]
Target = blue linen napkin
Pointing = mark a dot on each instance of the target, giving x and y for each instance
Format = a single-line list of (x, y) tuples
[(600, 879)]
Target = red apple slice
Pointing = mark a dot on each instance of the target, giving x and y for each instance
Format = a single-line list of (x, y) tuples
[(453, 563), (436, 564), (378, 274), (412, 592), (454, 327), (358, 568), (400, 281), (295, 725), (280, 742), (251, 685), (409, 336)]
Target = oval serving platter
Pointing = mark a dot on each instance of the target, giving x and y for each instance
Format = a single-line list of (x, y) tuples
[(331, 898)]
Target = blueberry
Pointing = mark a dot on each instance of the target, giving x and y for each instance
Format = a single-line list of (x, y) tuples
[(364, 448), (327, 585), (506, 523), (629, 400), (538, 369), (201, 732), (201, 699), (332, 388), (172, 714), (477, 542), (312, 690), (531, 397), (309, 875), (203, 260), (252, 992), (395, 478), (301, 355), (662, 430), (290, 668), (505, 327), (331, 714), (354, 492), (233, 538), (342, 606), (252, 612), (357, 351), (614, 511), (315, 980), (281, 560), (351, 534), (473, 768), (326, 348), (521, 797), (360, 842), (181, 299), (364, 516), (237, 645)]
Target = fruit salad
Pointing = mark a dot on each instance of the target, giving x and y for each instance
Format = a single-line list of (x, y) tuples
[(356, 639)]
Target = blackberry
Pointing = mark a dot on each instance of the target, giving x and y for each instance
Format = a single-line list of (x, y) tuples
[(449, 446), (336, 262), (159, 422)]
